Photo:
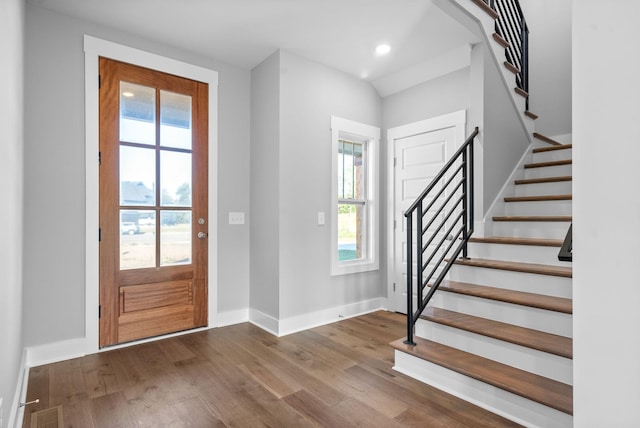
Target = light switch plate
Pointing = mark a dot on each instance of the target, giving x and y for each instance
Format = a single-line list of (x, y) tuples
[(320, 218), (236, 218)]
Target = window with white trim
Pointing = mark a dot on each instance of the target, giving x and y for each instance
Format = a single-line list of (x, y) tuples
[(355, 207)]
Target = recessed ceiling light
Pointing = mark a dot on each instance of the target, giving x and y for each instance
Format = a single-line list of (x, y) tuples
[(127, 94), (383, 49)]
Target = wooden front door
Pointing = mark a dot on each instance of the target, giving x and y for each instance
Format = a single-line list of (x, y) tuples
[(153, 203)]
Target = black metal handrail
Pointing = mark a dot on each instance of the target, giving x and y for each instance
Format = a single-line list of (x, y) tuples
[(512, 26), (449, 200), (566, 251)]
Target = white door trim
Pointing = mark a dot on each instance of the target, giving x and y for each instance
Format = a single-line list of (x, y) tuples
[(456, 120), (95, 48)]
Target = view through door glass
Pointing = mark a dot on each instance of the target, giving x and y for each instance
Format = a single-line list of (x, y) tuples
[(153, 203)]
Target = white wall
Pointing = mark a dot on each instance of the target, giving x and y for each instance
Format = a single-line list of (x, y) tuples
[(265, 191), (11, 158), (606, 212), (550, 63), (55, 171), (310, 94)]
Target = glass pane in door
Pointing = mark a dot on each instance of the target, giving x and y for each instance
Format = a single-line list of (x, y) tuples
[(175, 178), (137, 176), (175, 120), (137, 114), (175, 237), (137, 239)]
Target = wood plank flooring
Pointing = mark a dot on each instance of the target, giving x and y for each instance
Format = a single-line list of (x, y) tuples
[(337, 375)]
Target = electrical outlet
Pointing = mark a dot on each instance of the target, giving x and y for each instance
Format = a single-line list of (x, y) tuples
[(236, 218)]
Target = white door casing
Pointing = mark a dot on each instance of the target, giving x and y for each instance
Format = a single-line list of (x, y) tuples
[(416, 153)]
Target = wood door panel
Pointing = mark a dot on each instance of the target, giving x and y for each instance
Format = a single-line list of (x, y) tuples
[(151, 296), (154, 322), (141, 276)]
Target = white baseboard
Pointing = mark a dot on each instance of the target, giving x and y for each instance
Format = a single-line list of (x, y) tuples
[(54, 352), (328, 316), (298, 323), (16, 413), (264, 321), (224, 319)]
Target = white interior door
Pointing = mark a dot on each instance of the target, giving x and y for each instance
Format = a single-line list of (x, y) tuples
[(419, 151)]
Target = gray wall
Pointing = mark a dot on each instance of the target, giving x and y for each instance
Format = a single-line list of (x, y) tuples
[(265, 191), (439, 96), (55, 173), (11, 142), (550, 63), (310, 94)]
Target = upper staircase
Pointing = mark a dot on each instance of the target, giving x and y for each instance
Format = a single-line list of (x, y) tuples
[(498, 332)]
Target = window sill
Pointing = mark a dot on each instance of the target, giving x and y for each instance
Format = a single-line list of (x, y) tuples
[(346, 268)]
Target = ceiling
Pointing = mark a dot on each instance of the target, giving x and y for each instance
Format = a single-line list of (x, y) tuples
[(342, 34)]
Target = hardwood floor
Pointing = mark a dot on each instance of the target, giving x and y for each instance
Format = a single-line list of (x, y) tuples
[(338, 375)]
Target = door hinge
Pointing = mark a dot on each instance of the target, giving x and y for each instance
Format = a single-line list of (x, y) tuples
[(99, 81), (99, 234), (395, 224), (395, 161), (99, 158), (99, 311), (394, 287)]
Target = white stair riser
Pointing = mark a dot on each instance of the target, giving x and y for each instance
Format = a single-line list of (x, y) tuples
[(516, 253), (538, 208), (496, 400), (537, 362), (554, 155), (531, 229), (547, 171), (531, 283), (523, 316), (539, 189)]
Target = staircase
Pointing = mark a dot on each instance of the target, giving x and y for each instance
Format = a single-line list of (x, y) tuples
[(498, 332)]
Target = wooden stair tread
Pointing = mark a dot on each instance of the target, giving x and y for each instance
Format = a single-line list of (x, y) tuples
[(549, 163), (563, 271), (530, 114), (534, 339), (538, 218), (548, 392), (542, 242), (501, 41), (522, 298), (553, 148), (546, 139), (544, 180), (521, 92), (482, 5), (512, 68), (539, 198)]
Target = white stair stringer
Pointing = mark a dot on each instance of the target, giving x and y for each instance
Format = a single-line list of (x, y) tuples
[(511, 406), (541, 363)]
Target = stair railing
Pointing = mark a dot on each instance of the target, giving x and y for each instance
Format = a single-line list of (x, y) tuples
[(443, 216), (566, 251), (512, 26)]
